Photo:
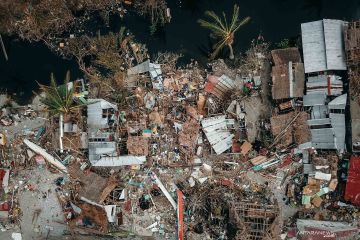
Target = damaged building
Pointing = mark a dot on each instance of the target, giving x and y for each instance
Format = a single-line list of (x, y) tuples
[(102, 120)]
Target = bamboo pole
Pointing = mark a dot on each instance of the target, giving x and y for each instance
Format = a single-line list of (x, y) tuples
[(3, 48)]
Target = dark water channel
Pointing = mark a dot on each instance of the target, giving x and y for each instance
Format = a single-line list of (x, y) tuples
[(273, 19)]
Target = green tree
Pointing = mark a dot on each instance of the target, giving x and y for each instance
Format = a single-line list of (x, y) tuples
[(59, 101), (223, 31)]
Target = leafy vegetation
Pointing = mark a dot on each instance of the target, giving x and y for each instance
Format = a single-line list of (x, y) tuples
[(222, 30), (58, 99)]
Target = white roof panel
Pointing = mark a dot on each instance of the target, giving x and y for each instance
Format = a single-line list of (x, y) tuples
[(335, 53), (312, 35)]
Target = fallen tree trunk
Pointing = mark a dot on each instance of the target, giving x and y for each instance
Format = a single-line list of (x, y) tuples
[(46, 155)]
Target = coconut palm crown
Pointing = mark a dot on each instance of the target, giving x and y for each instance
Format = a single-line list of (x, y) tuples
[(222, 30), (58, 98)]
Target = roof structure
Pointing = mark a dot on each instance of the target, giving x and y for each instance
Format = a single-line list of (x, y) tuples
[(154, 70), (219, 86), (327, 132), (215, 129), (352, 42), (102, 145), (288, 80), (314, 100), (331, 85), (352, 191), (286, 55), (323, 45)]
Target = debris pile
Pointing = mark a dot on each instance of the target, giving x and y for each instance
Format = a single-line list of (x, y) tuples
[(255, 151)]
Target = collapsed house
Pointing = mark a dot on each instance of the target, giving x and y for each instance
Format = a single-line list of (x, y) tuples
[(287, 74), (290, 128), (323, 45), (219, 86), (102, 136), (256, 220), (153, 69)]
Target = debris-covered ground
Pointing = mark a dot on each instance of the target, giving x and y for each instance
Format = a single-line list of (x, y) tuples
[(156, 151)]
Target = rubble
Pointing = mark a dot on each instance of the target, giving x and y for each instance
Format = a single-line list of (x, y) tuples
[(254, 151)]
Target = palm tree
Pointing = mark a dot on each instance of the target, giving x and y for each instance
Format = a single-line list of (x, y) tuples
[(58, 101), (222, 31)]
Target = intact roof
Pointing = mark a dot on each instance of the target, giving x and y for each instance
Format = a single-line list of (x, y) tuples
[(352, 191), (338, 124), (339, 102), (286, 55), (323, 138), (323, 46), (283, 87), (314, 99)]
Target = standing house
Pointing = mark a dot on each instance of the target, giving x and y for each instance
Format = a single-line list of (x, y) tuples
[(102, 122), (323, 49), (323, 45), (327, 123), (287, 74)]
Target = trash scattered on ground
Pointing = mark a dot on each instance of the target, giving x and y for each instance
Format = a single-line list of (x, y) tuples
[(189, 153)]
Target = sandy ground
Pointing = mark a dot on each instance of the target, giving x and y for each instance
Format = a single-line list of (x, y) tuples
[(43, 200)]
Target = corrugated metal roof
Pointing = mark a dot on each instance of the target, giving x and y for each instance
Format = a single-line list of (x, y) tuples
[(352, 191), (319, 112), (334, 42), (339, 102), (313, 44), (140, 68), (94, 113), (323, 46), (99, 149), (120, 161), (315, 122), (314, 100), (323, 138), (327, 84), (215, 129), (338, 124)]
